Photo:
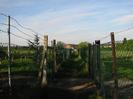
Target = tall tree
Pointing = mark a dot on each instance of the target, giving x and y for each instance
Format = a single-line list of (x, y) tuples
[(60, 45), (83, 48), (83, 45), (124, 40), (35, 45)]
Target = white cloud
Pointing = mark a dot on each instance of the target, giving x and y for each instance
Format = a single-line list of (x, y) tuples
[(15, 3), (69, 23), (62, 21), (64, 25), (124, 19), (74, 37)]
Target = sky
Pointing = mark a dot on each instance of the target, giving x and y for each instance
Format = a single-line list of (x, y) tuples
[(70, 21)]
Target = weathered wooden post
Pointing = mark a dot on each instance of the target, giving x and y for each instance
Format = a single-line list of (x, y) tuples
[(54, 48), (43, 67), (89, 60), (114, 67), (98, 69), (9, 53), (97, 42), (9, 59), (94, 62)]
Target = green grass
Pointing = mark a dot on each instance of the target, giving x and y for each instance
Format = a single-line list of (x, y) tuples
[(19, 65), (22, 61), (75, 64), (124, 63)]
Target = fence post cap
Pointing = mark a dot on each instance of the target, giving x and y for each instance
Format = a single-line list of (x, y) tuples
[(97, 42)]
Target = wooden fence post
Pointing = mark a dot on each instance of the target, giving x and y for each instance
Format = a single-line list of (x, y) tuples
[(94, 61), (97, 42), (114, 67), (89, 61), (55, 64), (44, 63), (98, 70)]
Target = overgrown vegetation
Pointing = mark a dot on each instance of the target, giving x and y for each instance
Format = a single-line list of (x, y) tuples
[(124, 60), (24, 59), (75, 66)]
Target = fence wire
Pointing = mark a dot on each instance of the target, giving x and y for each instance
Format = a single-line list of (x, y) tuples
[(124, 53), (124, 63), (25, 57)]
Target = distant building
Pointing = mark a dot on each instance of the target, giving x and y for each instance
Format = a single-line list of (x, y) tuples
[(108, 44), (70, 46)]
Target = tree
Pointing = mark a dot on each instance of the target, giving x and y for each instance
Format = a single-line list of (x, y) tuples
[(35, 45), (83, 45), (60, 45), (31, 44), (83, 48), (36, 41), (58, 54), (124, 40), (2, 55)]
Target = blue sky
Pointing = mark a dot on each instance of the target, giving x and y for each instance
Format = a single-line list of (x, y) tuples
[(71, 21)]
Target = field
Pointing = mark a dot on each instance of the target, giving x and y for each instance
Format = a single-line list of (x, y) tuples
[(124, 63), (24, 67)]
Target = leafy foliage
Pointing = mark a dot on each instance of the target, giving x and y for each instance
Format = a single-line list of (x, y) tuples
[(83, 45), (124, 60), (35, 45), (2, 54), (60, 45), (126, 45)]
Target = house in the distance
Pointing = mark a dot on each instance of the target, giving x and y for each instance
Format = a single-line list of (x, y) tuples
[(108, 44), (70, 46)]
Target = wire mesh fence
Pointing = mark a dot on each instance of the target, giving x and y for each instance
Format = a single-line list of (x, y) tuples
[(124, 53), (124, 68), (68, 60)]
